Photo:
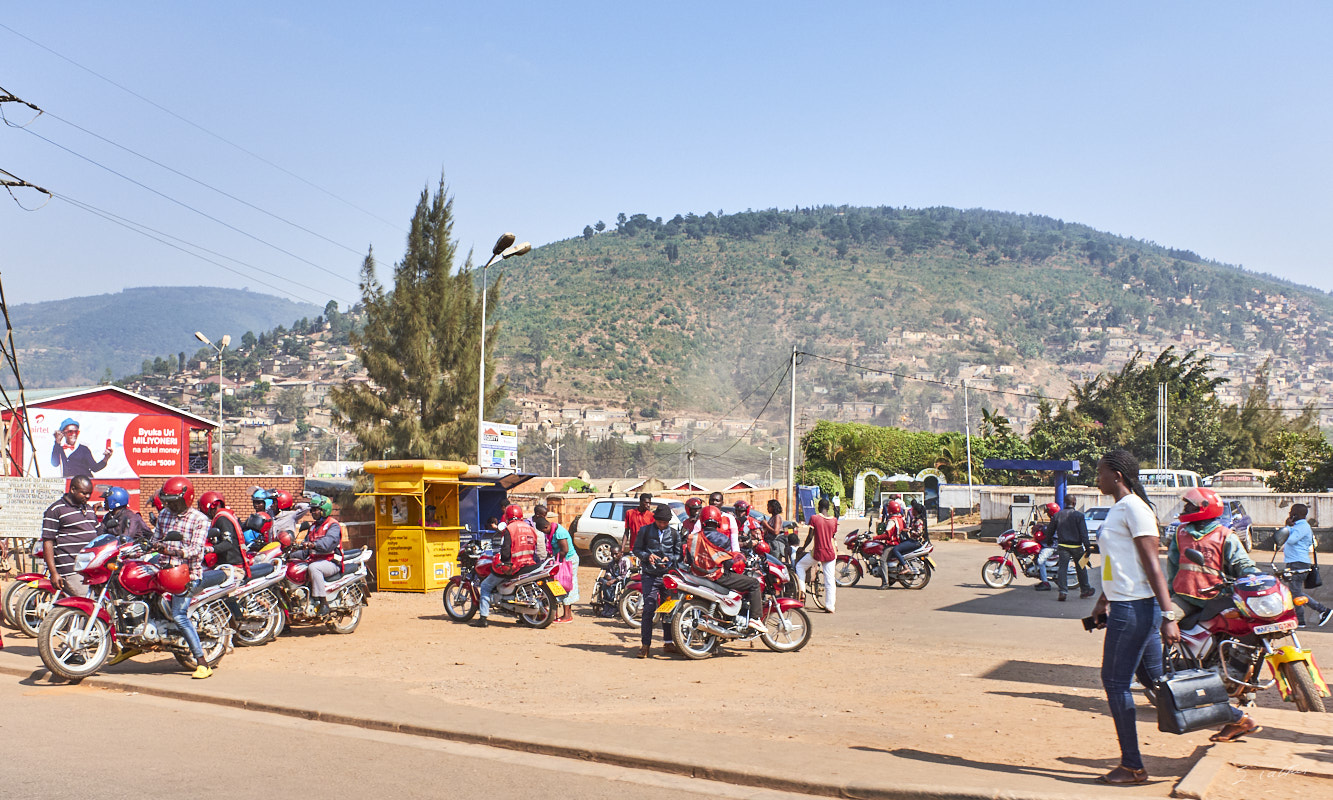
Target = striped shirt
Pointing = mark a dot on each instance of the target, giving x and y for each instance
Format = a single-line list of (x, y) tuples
[(70, 526), (193, 528)]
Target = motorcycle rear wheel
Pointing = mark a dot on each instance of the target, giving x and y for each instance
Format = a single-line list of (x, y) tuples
[(354, 596), (997, 574), (213, 624), (1303, 690), (53, 647), (917, 581), (796, 636), (459, 604), (691, 641), (546, 609), (847, 572), (631, 607)]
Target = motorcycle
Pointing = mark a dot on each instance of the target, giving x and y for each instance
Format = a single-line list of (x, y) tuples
[(704, 613), (132, 610), (346, 592), (530, 596), (32, 595), (1252, 621), (1020, 558), (913, 573)]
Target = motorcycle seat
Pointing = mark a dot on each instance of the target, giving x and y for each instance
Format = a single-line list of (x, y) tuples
[(707, 584), (351, 555), (348, 569), (260, 569), (211, 578)]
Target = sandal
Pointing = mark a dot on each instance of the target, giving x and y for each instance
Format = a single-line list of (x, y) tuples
[(1234, 730), (1124, 776)]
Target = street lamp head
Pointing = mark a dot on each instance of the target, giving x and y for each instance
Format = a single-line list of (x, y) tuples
[(503, 242), (516, 250), (201, 337), (226, 339)]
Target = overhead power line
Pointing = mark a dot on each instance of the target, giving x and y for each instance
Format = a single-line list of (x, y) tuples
[(201, 128), (11, 182)]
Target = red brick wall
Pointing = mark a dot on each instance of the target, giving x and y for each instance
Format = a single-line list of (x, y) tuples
[(235, 490)]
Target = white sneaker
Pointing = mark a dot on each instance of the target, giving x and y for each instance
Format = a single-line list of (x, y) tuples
[(756, 625)]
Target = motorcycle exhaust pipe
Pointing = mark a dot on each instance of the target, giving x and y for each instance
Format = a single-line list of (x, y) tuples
[(721, 633)]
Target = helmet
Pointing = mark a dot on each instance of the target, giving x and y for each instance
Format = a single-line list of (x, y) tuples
[(742, 507), (1052, 509), (175, 579), (115, 497), (177, 489), (762, 547), (1206, 503), (210, 502), (283, 500), (259, 522), (895, 506), (692, 507), (261, 499), (513, 513), (286, 540), (711, 514), (318, 503)]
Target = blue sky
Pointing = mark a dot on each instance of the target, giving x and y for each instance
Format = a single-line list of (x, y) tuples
[(1201, 126)]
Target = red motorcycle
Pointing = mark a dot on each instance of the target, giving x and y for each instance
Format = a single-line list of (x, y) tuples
[(131, 609), (1020, 558), (913, 573), (1252, 621), (346, 592), (530, 596)]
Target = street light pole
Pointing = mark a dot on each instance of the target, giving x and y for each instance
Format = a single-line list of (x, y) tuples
[(504, 248), (224, 341)]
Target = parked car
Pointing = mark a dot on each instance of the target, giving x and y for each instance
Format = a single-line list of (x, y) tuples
[(1234, 517), (1095, 516), (601, 526)]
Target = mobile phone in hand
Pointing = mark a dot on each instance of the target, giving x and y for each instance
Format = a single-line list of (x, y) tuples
[(1092, 623)]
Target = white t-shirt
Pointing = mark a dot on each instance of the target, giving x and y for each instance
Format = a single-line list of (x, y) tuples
[(1123, 576)]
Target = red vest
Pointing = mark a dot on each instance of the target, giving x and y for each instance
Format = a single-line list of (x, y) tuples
[(1191, 579), (706, 557), (522, 548), (226, 514)]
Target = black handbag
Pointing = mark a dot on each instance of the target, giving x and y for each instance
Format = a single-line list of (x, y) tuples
[(1312, 579), (1191, 700)]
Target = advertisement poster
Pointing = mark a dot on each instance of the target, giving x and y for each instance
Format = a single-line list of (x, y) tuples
[(105, 445), (499, 447)]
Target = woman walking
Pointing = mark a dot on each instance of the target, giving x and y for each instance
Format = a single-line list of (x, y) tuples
[(1297, 556), (1134, 592)]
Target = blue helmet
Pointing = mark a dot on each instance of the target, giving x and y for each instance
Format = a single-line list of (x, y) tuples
[(115, 497), (262, 499)]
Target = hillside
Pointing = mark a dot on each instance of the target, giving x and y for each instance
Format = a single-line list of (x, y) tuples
[(689, 313), (74, 342)]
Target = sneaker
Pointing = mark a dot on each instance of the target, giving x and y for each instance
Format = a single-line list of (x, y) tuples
[(1043, 587), (756, 625), (1086, 593), (1063, 597), (202, 672), (1325, 617), (1300, 626), (321, 606), (479, 622)]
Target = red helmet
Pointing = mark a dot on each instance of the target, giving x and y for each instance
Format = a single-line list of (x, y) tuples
[(895, 507), (175, 579), (1052, 509), (762, 547), (282, 500), (711, 514), (177, 489), (286, 540), (1206, 503), (742, 507), (693, 505), (210, 502), (513, 513)]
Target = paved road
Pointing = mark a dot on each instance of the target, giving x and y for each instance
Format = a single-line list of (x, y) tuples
[(146, 747)]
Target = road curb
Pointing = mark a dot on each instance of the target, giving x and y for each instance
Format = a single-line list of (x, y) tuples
[(630, 760)]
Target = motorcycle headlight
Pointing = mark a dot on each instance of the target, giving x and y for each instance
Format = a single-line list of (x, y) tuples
[(1268, 605), (82, 560)]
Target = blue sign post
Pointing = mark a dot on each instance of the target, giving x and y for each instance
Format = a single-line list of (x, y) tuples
[(1060, 468)]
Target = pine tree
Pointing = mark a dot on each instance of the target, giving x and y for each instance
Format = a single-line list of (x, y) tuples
[(419, 345)]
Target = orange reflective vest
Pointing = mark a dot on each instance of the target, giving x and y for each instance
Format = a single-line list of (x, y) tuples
[(522, 548), (1191, 579), (706, 558)]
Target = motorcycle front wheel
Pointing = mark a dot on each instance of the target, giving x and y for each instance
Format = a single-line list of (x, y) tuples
[(997, 574), (631, 607), (66, 651), (847, 572), (693, 641), (459, 604), (266, 618), (30, 604), (9, 607), (1303, 690), (786, 631), (546, 607)]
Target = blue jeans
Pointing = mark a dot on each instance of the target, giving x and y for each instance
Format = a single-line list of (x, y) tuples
[(180, 611), (1132, 638), (653, 591), (488, 587)]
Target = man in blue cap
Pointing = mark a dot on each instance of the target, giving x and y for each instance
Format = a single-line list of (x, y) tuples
[(74, 458)]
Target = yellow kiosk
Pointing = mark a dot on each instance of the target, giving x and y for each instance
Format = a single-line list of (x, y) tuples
[(417, 522)]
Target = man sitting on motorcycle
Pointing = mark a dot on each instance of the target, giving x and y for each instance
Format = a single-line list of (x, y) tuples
[(224, 533), (324, 538), (518, 551), (1201, 529), (119, 520), (895, 539), (707, 553), (748, 532), (181, 534)]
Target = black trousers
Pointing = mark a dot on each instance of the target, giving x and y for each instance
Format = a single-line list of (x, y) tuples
[(1066, 553), (653, 591), (745, 584)]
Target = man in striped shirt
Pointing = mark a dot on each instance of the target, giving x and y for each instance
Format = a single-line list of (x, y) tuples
[(68, 525)]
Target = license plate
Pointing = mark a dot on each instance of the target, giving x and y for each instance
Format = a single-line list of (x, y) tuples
[(665, 608), (1288, 625), (931, 562), (556, 588)]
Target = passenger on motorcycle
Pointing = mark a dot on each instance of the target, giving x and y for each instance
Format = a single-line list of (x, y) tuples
[(708, 556), (181, 534), (119, 520), (225, 531), (1047, 540), (727, 525), (748, 532), (895, 539), (658, 548), (257, 530), (287, 512), (1224, 556), (324, 538), (262, 500), (772, 531), (518, 552)]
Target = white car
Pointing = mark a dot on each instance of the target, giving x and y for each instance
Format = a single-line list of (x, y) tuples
[(1095, 516), (599, 529)]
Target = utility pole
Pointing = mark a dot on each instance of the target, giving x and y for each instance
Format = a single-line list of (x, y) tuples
[(1162, 443), (791, 439), (967, 426)]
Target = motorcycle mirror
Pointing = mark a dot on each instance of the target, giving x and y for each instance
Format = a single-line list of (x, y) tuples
[(502, 243), (1194, 555)]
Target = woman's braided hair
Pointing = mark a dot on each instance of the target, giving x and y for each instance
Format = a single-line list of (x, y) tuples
[(1124, 463)]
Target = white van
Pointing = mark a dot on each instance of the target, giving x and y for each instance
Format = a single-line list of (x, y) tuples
[(1169, 478)]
